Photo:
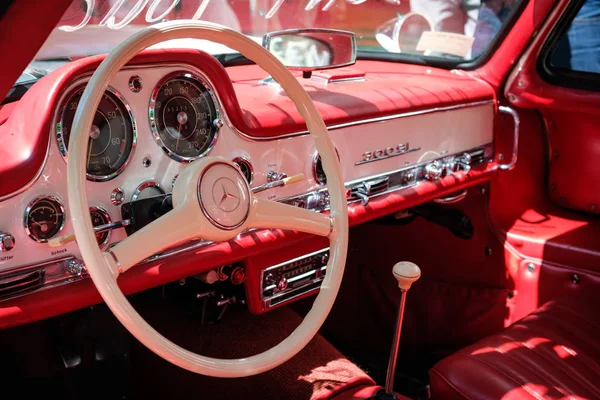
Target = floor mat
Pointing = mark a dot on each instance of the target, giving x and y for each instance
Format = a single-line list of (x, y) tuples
[(315, 373)]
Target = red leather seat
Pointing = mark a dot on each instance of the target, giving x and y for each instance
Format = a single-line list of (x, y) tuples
[(554, 353)]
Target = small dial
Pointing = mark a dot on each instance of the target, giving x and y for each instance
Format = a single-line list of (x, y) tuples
[(184, 117), (318, 171), (100, 217), (44, 218), (246, 168)]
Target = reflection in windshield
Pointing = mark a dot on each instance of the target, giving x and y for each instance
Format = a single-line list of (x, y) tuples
[(457, 29)]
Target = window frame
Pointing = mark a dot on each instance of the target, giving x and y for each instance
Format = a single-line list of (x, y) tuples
[(563, 77)]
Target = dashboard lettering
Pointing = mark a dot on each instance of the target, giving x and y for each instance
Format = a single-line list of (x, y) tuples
[(56, 252), (381, 154)]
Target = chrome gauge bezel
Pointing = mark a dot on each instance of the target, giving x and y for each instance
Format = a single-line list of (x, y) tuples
[(246, 161), (58, 123), (145, 185), (201, 80), (28, 212), (106, 215), (315, 161)]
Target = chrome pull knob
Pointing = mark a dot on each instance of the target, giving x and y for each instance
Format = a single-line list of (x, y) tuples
[(7, 241), (434, 171), (463, 162)]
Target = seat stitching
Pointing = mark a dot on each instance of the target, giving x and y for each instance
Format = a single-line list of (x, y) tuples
[(528, 390), (583, 359), (452, 386), (564, 327), (578, 314), (533, 367)]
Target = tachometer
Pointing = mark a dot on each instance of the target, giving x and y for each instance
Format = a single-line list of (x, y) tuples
[(112, 136), (184, 116)]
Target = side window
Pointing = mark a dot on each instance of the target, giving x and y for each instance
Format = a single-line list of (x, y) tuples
[(578, 48)]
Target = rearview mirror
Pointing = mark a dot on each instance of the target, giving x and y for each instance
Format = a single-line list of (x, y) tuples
[(312, 49)]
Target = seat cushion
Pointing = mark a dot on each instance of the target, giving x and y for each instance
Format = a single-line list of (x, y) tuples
[(550, 354)]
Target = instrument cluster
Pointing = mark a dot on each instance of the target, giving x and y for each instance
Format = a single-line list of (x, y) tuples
[(183, 116)]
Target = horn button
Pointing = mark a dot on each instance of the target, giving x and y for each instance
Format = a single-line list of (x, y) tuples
[(224, 196)]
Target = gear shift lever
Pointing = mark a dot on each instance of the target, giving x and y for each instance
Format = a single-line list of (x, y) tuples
[(406, 273)]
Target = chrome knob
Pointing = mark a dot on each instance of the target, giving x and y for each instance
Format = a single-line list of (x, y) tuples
[(282, 284), (7, 241), (270, 279), (76, 267), (434, 171), (463, 162)]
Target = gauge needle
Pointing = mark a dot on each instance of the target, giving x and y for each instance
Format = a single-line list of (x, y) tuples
[(94, 133), (89, 157), (178, 136)]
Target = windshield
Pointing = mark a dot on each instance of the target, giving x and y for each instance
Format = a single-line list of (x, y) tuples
[(458, 30)]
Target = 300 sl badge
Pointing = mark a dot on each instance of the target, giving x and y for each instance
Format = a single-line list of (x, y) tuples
[(381, 154)]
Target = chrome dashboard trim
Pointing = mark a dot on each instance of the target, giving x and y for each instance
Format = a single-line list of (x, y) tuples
[(200, 78), (55, 271), (361, 122), (73, 88)]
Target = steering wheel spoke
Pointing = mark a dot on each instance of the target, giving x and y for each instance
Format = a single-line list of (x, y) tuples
[(173, 228), (272, 214)]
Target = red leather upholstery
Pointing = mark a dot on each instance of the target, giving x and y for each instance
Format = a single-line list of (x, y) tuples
[(552, 353)]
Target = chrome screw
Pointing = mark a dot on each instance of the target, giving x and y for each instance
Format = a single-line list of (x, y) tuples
[(530, 267)]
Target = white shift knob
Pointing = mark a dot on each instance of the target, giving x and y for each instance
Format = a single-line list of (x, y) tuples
[(406, 273)]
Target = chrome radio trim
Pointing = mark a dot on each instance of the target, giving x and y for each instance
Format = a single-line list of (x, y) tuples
[(267, 302)]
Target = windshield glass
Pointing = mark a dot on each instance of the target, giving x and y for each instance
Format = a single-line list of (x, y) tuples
[(458, 30)]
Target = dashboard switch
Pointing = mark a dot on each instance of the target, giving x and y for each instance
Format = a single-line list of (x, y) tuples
[(434, 171), (7, 241), (117, 196)]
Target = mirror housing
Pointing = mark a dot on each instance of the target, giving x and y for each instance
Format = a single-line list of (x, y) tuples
[(312, 49)]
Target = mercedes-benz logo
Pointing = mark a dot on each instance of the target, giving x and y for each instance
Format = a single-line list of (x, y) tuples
[(226, 194)]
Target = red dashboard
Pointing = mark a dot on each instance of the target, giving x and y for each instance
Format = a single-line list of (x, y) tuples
[(380, 102)]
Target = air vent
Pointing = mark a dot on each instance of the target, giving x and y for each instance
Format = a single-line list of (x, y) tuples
[(246, 168)]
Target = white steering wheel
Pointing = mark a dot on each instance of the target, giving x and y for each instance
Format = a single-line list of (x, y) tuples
[(211, 201)]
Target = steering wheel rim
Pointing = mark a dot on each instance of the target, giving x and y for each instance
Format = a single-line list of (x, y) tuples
[(105, 267)]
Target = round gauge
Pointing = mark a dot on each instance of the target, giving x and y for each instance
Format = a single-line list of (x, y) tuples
[(246, 168), (112, 136), (184, 117), (100, 217), (44, 218), (146, 190), (318, 171)]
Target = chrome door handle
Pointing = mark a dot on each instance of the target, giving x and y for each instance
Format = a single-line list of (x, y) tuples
[(452, 199), (515, 150)]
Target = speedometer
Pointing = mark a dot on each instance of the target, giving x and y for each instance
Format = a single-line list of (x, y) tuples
[(112, 136), (184, 116)]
